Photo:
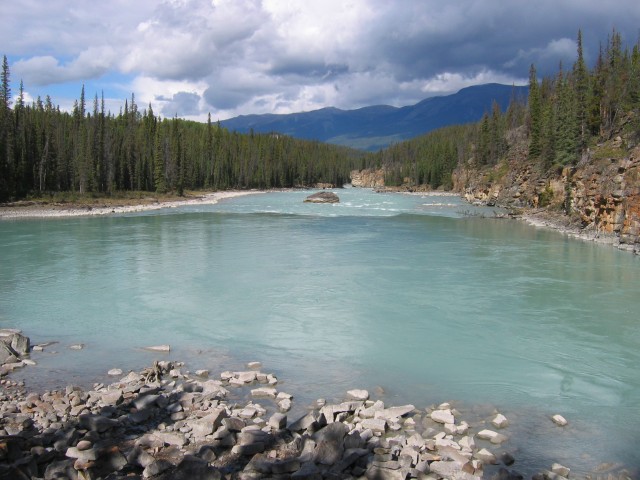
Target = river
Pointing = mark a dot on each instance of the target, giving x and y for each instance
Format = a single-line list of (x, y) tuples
[(423, 295)]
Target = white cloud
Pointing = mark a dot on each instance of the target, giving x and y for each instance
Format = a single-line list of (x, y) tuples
[(254, 56), (450, 82), (46, 70)]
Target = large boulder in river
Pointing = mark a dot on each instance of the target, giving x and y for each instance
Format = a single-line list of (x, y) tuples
[(322, 197)]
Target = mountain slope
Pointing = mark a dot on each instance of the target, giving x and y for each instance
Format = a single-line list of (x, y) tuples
[(375, 127)]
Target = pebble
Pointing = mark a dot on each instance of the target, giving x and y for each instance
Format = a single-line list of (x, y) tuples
[(114, 372)]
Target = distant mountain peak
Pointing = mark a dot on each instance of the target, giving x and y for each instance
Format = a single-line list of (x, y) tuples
[(377, 126)]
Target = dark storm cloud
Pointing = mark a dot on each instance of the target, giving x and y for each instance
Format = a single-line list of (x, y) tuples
[(257, 56)]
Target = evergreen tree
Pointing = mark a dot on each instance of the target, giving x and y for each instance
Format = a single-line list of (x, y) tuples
[(581, 87), (535, 115), (6, 151)]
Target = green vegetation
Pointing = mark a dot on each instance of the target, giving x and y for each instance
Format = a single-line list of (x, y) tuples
[(562, 116), (43, 149)]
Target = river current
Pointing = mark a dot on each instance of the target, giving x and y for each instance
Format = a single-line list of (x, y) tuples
[(423, 295)]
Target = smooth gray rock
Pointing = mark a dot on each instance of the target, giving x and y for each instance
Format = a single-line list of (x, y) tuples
[(443, 416), (358, 394), (322, 197)]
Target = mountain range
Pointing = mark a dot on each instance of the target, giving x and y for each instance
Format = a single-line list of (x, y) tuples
[(375, 127)]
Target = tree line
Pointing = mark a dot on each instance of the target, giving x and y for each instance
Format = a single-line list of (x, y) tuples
[(90, 151), (562, 117)]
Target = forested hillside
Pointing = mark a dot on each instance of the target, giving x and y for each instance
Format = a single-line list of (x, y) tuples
[(43, 150), (572, 148), (565, 117)]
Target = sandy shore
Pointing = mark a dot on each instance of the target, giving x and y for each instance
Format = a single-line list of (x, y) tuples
[(53, 211)]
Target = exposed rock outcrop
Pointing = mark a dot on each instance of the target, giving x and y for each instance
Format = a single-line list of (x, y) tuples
[(367, 178), (600, 196)]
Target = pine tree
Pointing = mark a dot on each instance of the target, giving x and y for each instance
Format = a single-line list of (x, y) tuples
[(158, 160), (6, 185), (535, 115), (581, 87)]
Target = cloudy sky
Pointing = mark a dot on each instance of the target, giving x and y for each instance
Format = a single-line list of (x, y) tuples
[(232, 57)]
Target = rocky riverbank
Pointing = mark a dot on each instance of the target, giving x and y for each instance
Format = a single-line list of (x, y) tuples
[(598, 199), (165, 422)]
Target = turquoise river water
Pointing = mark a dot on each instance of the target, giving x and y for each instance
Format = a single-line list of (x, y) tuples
[(423, 295)]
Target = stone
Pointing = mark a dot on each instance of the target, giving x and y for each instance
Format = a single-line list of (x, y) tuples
[(233, 424), (158, 348), (492, 436), (268, 392), (500, 421), (86, 455), (277, 421), (561, 470), (329, 443), (192, 467), (396, 412), (284, 405), (114, 372), (248, 449), (156, 468), (84, 445), (307, 471), (559, 420), (375, 472), (254, 365), (322, 197), (485, 456), (60, 469), (443, 416), (111, 397), (20, 343), (467, 443), (76, 346), (303, 423), (377, 425), (170, 438), (97, 423), (358, 394)]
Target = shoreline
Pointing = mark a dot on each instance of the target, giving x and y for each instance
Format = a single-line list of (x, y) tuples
[(72, 210), (242, 423), (561, 224)]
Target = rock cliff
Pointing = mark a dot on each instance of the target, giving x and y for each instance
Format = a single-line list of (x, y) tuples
[(367, 178), (600, 196)]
